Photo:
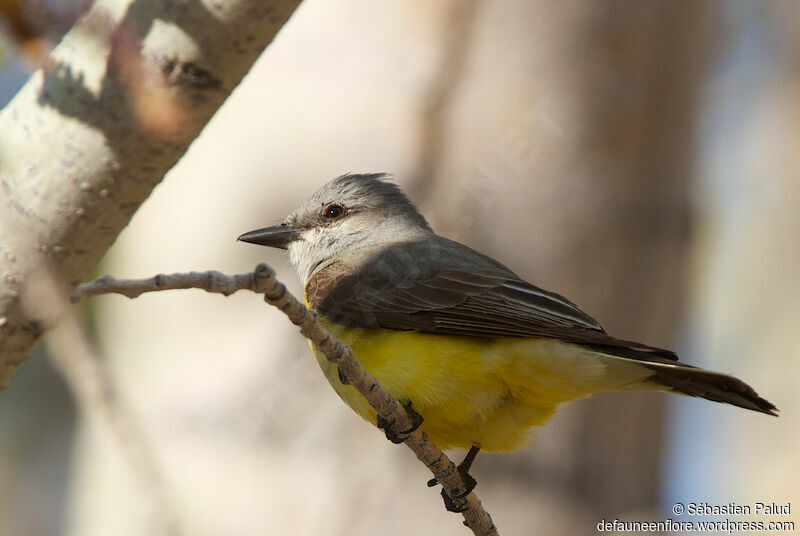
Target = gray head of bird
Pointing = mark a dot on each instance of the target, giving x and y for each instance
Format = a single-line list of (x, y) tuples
[(353, 212)]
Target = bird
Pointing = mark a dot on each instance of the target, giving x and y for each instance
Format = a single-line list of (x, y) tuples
[(478, 353)]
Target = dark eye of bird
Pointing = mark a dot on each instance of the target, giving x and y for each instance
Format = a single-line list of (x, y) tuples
[(333, 211)]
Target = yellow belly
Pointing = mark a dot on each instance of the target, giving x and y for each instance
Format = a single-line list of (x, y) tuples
[(476, 391)]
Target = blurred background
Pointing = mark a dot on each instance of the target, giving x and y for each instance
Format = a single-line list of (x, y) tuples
[(641, 158)]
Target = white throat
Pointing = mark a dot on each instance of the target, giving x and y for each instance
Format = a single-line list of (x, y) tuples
[(318, 248), (308, 254)]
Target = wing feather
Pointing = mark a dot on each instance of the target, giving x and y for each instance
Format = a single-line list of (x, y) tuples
[(446, 288), (459, 292)]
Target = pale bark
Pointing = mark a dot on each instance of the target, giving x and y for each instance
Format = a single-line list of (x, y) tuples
[(86, 140)]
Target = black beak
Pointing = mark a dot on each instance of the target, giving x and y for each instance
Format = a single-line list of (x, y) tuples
[(279, 236)]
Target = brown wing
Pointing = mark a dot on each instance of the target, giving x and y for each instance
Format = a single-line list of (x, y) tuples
[(447, 288)]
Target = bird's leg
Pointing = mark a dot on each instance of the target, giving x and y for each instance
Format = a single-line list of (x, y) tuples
[(469, 482), (466, 465), (463, 468), (399, 437)]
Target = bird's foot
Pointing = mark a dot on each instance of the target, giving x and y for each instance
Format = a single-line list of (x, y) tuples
[(469, 482), (399, 437), (450, 503)]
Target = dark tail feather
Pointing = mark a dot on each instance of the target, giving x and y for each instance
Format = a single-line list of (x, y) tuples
[(684, 379), (710, 385)]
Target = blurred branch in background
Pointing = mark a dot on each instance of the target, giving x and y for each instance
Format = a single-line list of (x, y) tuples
[(75, 164), (104, 156), (457, 27), (89, 380)]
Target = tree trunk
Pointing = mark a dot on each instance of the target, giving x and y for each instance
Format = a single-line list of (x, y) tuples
[(86, 140)]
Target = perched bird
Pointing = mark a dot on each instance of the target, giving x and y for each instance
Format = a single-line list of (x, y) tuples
[(479, 353)]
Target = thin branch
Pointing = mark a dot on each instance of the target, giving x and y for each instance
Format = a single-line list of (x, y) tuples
[(211, 281), (262, 280)]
